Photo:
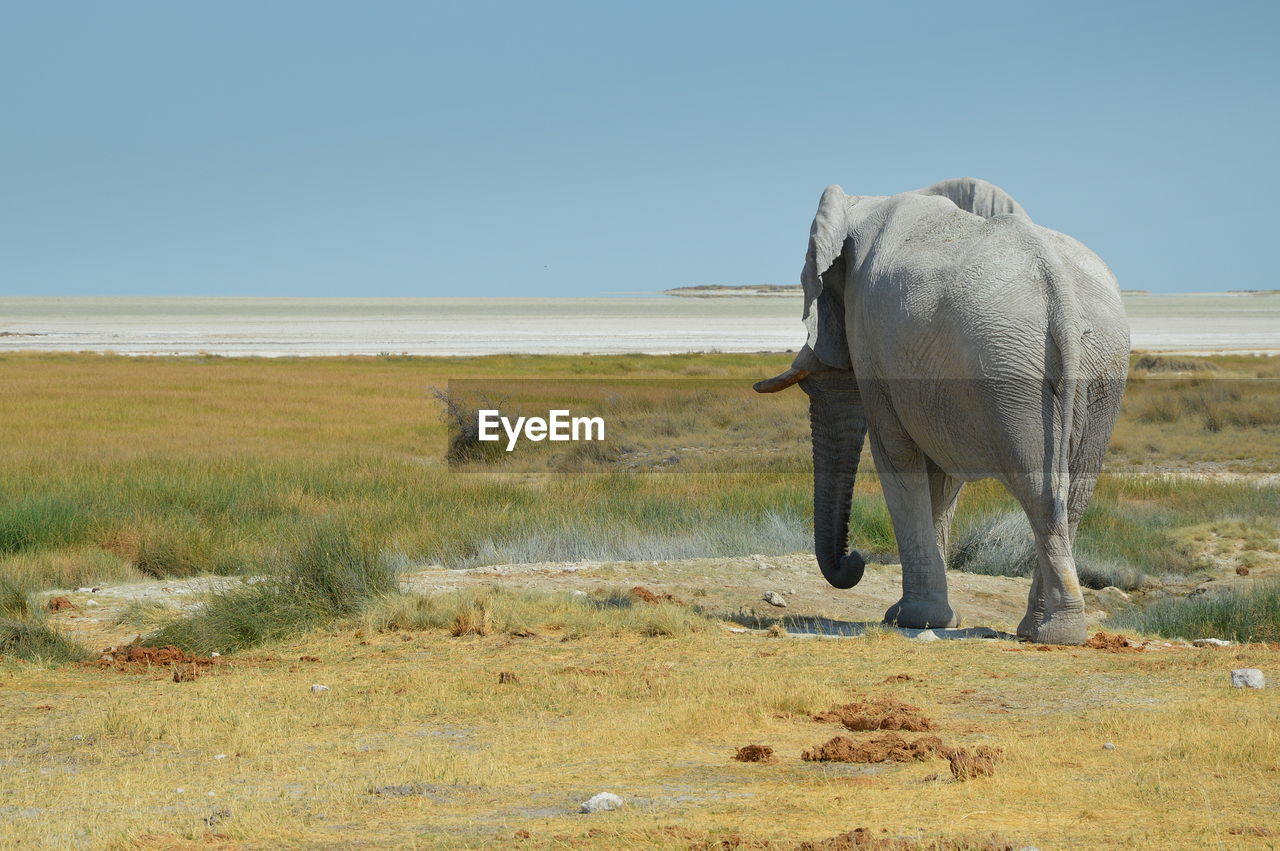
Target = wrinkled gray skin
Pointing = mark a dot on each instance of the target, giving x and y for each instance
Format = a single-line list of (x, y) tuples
[(969, 343)]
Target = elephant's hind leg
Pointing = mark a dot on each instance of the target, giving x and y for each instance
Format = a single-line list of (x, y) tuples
[(943, 490), (1055, 606), (905, 480)]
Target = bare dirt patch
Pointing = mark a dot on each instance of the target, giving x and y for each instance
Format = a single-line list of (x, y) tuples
[(755, 753), (881, 713), (889, 747), (59, 604)]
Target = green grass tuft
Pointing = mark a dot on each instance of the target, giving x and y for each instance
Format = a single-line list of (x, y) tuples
[(35, 641), (331, 574), (1248, 616)]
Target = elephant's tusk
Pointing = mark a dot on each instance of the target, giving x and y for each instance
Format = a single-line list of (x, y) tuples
[(781, 381)]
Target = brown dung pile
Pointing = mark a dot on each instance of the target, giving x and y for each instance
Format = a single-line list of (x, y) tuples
[(133, 658), (980, 762), (755, 753), (646, 596), (880, 713), (890, 747), (1113, 643)]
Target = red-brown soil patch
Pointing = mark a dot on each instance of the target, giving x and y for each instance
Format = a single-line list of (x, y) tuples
[(1250, 830), (645, 595), (755, 753), (58, 604), (308, 658), (507, 678), (889, 747), (133, 658), (881, 713), (980, 762), (1113, 643), (897, 678), (1242, 571)]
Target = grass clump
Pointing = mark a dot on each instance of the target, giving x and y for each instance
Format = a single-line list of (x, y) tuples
[(36, 521), (14, 602), (490, 611), (330, 575), (72, 567), (34, 640), (1002, 545), (1247, 616), (24, 632)]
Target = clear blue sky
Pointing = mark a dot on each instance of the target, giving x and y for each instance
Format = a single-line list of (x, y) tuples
[(542, 148)]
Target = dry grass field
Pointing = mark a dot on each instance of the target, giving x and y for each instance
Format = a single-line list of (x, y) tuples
[(481, 712)]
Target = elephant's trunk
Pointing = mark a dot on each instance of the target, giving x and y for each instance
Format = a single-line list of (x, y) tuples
[(839, 426)]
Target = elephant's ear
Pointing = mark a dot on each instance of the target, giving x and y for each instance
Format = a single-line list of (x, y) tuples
[(823, 282), (976, 196)]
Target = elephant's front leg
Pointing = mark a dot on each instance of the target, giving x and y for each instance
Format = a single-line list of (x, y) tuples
[(905, 481)]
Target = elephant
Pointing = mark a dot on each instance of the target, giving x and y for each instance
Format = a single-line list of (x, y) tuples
[(969, 343)]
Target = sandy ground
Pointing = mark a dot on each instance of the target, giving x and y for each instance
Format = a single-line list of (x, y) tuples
[(731, 588)]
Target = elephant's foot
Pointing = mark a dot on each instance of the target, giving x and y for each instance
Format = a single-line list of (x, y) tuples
[(922, 613), (1061, 627)]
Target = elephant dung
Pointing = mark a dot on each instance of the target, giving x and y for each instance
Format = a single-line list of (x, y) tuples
[(889, 747), (882, 713), (980, 762)]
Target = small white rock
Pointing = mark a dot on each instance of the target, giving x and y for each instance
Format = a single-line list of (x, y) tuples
[(214, 655), (84, 590), (603, 802), (928, 635), (1248, 678), (91, 602), (318, 689), (220, 756), (179, 790), (773, 598), (1109, 746), (1211, 642)]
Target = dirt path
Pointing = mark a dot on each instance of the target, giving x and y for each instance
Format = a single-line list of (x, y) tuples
[(729, 587)]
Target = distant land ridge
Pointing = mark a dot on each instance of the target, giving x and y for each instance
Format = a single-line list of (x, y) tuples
[(719, 290)]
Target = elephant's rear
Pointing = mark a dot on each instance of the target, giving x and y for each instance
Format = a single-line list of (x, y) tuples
[(1048, 348)]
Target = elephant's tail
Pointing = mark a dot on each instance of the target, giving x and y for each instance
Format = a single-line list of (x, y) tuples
[(1065, 334)]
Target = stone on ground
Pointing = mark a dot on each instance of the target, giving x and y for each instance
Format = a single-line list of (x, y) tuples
[(1248, 678)]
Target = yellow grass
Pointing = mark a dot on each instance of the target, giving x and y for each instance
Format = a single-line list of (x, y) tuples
[(97, 757)]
